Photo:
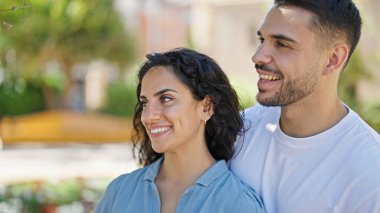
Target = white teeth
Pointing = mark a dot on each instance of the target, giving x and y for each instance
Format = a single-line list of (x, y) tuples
[(163, 129), (269, 77)]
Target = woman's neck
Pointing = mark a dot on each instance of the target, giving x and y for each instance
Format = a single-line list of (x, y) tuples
[(186, 167), (178, 172)]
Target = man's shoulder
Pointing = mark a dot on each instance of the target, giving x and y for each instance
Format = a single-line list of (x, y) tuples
[(258, 113), (365, 128), (259, 110), (361, 132), (359, 145)]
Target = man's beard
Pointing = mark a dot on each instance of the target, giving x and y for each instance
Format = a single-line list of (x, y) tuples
[(292, 91)]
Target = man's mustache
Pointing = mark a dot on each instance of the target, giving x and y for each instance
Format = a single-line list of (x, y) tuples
[(267, 68)]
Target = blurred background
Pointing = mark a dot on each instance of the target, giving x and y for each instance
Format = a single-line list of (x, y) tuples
[(67, 84)]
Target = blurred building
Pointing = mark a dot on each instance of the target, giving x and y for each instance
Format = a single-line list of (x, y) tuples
[(98, 76), (164, 25), (369, 47), (160, 24), (90, 84), (226, 30)]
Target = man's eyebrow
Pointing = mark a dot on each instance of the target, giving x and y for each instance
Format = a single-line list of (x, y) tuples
[(283, 37), (159, 93), (279, 36)]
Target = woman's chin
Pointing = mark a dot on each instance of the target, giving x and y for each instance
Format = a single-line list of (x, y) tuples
[(159, 149)]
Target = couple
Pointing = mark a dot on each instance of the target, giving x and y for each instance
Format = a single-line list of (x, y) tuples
[(300, 150)]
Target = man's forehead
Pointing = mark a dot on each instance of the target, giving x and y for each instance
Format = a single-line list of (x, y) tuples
[(291, 14), (289, 20)]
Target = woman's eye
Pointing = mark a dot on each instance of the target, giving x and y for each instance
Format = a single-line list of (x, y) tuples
[(165, 99), (143, 103)]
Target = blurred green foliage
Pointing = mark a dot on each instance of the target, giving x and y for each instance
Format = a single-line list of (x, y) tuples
[(35, 33), (121, 99), (20, 97), (354, 73), (73, 195), (68, 31), (371, 113)]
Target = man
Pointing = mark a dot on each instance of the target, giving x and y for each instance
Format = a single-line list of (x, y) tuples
[(305, 150)]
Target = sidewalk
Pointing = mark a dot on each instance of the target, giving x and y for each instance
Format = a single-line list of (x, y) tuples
[(19, 163)]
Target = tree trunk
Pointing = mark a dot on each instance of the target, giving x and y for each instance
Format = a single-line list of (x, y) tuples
[(67, 91)]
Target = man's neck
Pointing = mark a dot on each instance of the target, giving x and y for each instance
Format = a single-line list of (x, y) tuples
[(306, 119)]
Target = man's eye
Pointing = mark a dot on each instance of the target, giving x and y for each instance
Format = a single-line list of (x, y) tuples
[(261, 40), (281, 44)]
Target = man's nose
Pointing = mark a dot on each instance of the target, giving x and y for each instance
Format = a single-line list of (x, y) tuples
[(262, 55)]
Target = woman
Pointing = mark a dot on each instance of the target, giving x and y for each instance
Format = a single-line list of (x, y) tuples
[(185, 123)]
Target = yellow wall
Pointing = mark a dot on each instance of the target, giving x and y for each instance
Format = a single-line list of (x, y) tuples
[(63, 126)]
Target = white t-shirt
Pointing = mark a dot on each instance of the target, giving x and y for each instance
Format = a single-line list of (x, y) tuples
[(337, 170)]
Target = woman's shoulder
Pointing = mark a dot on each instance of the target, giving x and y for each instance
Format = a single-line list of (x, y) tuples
[(135, 176), (219, 190), (237, 184), (127, 178), (139, 175), (248, 198), (120, 188)]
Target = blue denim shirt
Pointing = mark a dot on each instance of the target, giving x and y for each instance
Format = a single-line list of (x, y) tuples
[(217, 190)]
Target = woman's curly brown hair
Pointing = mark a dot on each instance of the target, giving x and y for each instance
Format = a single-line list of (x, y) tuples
[(204, 77)]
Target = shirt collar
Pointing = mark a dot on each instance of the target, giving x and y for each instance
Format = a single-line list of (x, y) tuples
[(152, 170), (209, 176), (213, 173)]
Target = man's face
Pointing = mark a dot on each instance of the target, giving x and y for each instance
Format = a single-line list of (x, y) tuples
[(288, 60)]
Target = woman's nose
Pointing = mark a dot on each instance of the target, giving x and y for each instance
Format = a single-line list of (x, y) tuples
[(151, 113)]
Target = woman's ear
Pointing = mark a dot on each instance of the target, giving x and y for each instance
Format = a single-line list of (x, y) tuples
[(208, 107), (337, 59)]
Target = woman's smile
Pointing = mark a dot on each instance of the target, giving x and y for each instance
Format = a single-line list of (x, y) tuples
[(158, 131)]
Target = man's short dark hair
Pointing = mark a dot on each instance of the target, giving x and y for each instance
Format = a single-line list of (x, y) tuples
[(334, 19)]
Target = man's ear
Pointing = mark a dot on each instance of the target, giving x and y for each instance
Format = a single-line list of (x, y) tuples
[(337, 59)]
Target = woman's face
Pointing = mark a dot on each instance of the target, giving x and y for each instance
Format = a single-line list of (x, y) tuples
[(171, 116)]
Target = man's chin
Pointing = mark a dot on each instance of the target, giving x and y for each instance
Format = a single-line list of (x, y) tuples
[(270, 102), (267, 105), (274, 102)]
